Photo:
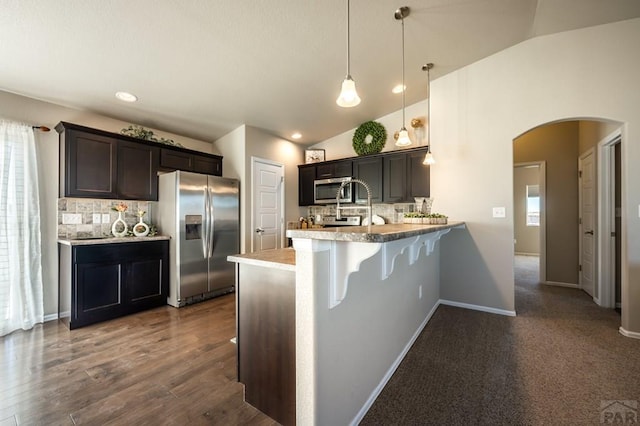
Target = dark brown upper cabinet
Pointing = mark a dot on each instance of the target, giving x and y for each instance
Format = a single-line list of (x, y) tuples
[(332, 169), (137, 171), (369, 170), (99, 164), (418, 175), (88, 164), (394, 177), (172, 159), (306, 178)]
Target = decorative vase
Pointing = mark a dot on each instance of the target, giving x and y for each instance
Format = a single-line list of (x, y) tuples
[(119, 227), (140, 229)]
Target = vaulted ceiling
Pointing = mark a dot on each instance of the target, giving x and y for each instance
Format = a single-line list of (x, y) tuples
[(202, 68)]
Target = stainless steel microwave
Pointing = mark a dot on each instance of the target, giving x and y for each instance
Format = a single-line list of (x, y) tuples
[(326, 190)]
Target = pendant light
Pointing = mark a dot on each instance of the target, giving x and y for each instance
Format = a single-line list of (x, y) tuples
[(428, 158), (348, 96), (403, 135)]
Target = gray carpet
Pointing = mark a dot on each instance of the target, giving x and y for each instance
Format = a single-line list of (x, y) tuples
[(552, 364)]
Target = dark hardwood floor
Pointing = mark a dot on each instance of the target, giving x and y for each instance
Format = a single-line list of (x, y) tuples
[(165, 366)]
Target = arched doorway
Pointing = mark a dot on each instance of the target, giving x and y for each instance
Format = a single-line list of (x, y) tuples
[(566, 148)]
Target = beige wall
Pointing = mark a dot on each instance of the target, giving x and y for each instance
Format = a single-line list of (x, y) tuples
[(592, 132), (36, 112), (479, 110), (246, 142), (341, 146), (527, 237), (557, 145)]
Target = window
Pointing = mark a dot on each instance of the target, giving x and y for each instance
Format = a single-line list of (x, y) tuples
[(533, 205), (21, 304)]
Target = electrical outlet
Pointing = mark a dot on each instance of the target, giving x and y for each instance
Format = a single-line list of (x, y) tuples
[(97, 218), (106, 218), (71, 219), (420, 292), (499, 212)]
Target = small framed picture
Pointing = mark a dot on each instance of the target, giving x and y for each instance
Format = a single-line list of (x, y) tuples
[(313, 155)]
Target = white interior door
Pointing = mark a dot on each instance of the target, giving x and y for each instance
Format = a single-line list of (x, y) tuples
[(267, 212), (587, 185)]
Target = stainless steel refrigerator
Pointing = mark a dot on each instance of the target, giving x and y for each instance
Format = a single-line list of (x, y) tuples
[(201, 214)]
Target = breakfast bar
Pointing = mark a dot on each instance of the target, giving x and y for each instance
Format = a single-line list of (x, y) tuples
[(357, 298)]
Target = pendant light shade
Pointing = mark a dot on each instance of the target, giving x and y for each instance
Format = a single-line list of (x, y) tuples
[(348, 95), (403, 136), (428, 158)]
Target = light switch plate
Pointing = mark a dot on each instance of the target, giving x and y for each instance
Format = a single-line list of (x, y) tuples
[(106, 218), (499, 212), (97, 218)]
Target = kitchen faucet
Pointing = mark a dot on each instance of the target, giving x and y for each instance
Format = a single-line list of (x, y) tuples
[(366, 186)]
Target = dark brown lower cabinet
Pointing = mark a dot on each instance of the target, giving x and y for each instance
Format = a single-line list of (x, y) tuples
[(266, 340), (99, 282)]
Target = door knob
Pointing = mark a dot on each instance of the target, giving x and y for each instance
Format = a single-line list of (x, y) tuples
[(589, 232), (259, 230)]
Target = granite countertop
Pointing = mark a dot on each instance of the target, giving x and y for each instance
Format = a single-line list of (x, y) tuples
[(109, 240), (277, 258), (370, 234)]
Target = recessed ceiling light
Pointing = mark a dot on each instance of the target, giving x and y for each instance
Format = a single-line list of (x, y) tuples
[(398, 89), (126, 96), (296, 135)]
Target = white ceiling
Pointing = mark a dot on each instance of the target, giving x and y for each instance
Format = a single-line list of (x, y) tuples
[(202, 68)]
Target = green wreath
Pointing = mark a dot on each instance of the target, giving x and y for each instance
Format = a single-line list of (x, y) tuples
[(378, 138)]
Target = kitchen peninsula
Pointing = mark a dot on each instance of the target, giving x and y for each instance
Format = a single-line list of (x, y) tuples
[(354, 300)]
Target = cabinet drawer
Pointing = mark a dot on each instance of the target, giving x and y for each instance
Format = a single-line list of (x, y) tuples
[(101, 253)]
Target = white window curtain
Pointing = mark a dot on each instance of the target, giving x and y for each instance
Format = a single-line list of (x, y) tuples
[(21, 305)]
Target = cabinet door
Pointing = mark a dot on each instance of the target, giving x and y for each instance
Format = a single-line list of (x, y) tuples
[(418, 181), (145, 284), (89, 165), (306, 177), (98, 293), (343, 168), (334, 169), (207, 165), (368, 170), (175, 160), (395, 178), (137, 171)]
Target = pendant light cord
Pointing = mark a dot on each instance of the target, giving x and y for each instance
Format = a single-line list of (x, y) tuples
[(429, 108), (404, 89), (348, 41)]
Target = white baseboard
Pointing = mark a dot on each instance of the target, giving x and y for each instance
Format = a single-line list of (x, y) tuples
[(527, 254), (559, 284), (50, 317), (478, 308), (627, 333), (376, 392)]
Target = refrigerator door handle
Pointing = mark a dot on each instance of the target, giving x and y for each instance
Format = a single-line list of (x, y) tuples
[(212, 222), (205, 224)]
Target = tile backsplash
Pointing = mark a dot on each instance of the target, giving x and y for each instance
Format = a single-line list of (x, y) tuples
[(391, 213), (84, 217)]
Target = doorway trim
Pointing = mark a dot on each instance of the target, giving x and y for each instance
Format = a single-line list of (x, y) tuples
[(606, 217), (542, 181), (255, 160)]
